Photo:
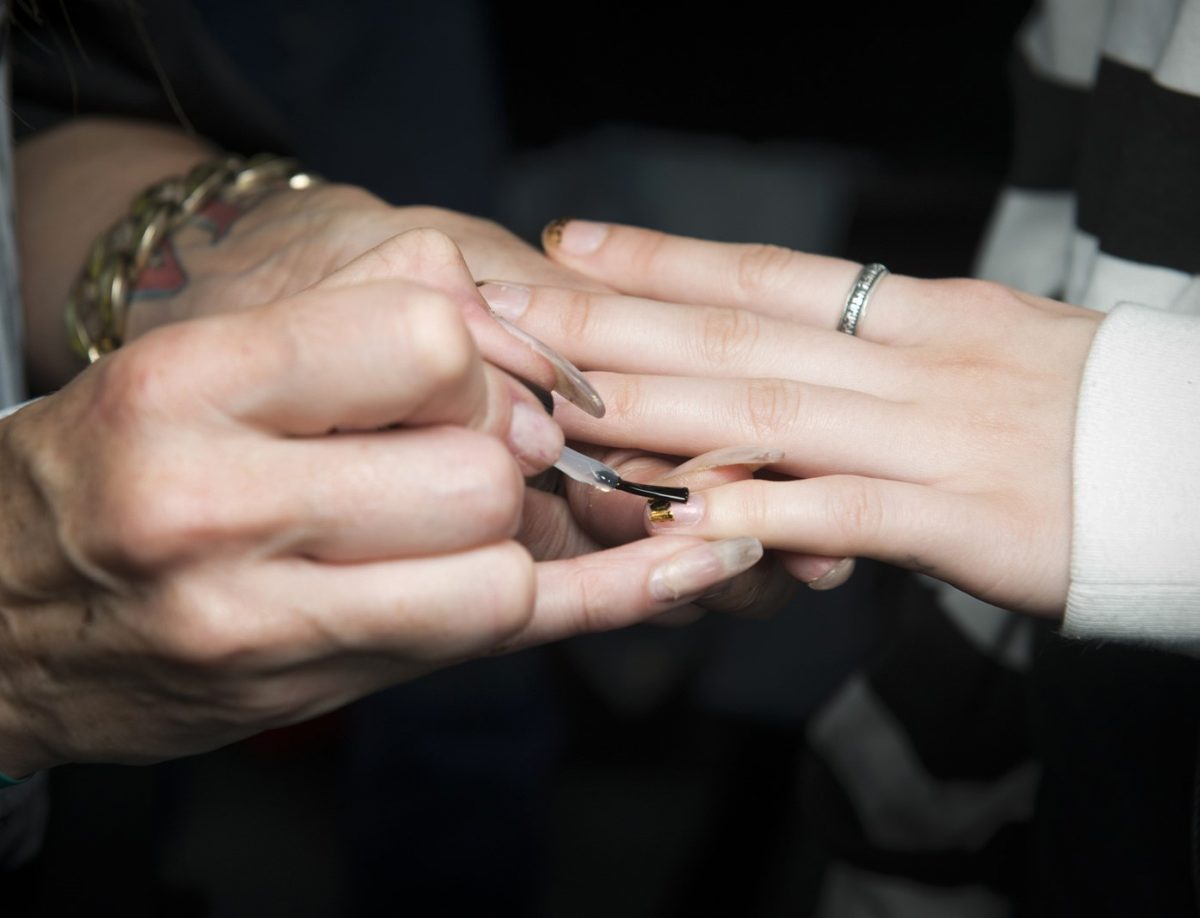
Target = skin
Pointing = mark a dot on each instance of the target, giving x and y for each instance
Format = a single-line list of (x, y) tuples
[(227, 526), (281, 246), (938, 439), (244, 519)]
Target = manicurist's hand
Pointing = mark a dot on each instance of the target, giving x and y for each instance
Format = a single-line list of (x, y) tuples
[(938, 437), (241, 521), (226, 260)]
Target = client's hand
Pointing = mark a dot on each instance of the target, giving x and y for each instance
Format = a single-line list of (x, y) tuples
[(939, 438), (242, 521)]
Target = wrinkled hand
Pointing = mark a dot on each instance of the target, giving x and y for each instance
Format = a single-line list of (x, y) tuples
[(242, 521), (293, 240), (939, 438)]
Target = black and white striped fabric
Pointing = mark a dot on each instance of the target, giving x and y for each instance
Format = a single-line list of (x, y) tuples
[(932, 760)]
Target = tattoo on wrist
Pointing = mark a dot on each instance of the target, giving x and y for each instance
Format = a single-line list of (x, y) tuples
[(165, 274)]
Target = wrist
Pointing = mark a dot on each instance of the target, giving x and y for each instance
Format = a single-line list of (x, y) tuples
[(236, 256), (72, 182)]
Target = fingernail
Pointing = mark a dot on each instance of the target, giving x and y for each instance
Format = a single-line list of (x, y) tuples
[(670, 515), (533, 436), (838, 573), (575, 237), (757, 456), (569, 382), (697, 569), (508, 300)]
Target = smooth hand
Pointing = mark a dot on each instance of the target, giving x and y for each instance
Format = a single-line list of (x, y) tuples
[(939, 438)]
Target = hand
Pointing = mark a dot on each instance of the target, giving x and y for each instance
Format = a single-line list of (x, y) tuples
[(295, 239), (226, 260), (938, 439), (245, 520)]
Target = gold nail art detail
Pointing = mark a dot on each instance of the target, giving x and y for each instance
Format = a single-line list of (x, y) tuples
[(552, 234), (660, 511)]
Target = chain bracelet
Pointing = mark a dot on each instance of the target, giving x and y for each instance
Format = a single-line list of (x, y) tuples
[(98, 303)]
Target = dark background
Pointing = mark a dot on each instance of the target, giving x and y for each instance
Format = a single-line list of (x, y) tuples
[(613, 809)]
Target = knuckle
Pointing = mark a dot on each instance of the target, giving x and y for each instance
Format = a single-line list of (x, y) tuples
[(199, 626), (624, 399), (149, 519), (421, 245), (576, 315), (770, 406), (649, 252), (968, 297), (490, 483), (138, 382), (755, 507), (728, 337), (857, 510), (441, 346), (509, 604), (760, 267)]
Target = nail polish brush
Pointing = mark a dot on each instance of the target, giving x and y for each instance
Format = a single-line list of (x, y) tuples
[(589, 471)]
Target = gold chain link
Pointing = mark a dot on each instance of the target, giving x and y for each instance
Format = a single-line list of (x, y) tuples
[(98, 304)]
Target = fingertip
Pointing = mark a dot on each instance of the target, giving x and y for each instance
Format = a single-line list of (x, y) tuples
[(535, 440), (576, 238), (836, 576)]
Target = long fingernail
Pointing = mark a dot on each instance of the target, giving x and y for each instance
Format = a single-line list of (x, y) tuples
[(575, 237), (508, 300), (534, 437), (697, 569), (837, 574), (667, 515), (756, 456), (569, 382)]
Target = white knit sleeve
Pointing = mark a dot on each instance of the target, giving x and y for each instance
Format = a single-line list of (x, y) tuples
[(1135, 554)]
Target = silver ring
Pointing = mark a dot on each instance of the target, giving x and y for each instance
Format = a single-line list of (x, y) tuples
[(860, 295)]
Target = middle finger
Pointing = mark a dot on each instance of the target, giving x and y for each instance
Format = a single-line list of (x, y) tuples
[(634, 335), (820, 429)]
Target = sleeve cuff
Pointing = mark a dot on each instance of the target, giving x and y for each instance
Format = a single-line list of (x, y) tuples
[(1135, 553)]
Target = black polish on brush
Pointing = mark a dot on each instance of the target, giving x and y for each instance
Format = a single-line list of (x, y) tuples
[(654, 492)]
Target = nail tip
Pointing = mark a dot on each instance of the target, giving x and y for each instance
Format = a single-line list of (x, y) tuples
[(552, 231), (834, 577)]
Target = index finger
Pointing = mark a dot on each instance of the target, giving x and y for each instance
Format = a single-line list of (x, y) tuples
[(358, 358), (767, 279)]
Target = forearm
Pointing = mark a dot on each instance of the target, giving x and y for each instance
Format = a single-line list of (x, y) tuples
[(72, 183)]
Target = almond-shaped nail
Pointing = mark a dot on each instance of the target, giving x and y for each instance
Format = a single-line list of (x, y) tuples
[(756, 456), (533, 437), (697, 569), (837, 574), (665, 515), (569, 382), (507, 300), (574, 237)]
